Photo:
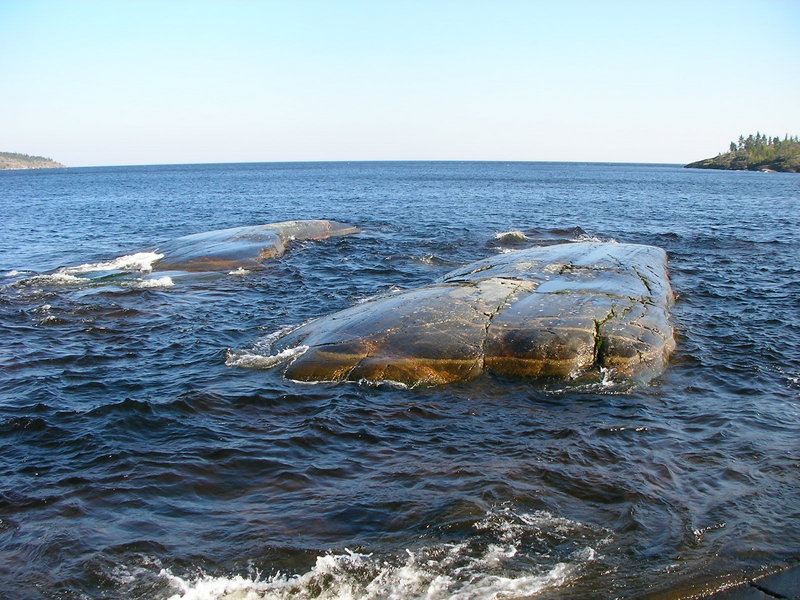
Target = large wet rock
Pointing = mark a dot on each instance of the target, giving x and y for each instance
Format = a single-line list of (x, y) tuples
[(570, 310), (242, 247)]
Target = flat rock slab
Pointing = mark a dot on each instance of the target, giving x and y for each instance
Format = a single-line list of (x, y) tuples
[(784, 585), (569, 310), (242, 247)]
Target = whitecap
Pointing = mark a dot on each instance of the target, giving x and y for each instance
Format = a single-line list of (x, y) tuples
[(239, 271)]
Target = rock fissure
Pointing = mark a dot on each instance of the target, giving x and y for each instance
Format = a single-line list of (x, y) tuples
[(645, 281), (491, 316), (598, 337)]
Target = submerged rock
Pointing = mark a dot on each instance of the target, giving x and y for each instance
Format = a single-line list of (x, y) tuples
[(569, 310), (242, 247)]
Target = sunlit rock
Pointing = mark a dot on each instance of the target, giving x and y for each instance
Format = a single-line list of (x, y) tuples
[(242, 248), (571, 310)]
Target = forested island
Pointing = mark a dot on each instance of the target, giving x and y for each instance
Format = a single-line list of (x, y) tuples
[(757, 153), (12, 160)]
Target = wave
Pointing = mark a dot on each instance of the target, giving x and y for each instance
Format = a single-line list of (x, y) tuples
[(141, 261), (57, 278), (510, 236), (457, 571)]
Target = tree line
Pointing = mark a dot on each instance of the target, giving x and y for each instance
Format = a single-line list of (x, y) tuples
[(760, 147), (759, 141)]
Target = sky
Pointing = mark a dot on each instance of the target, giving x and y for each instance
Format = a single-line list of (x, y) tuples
[(118, 82)]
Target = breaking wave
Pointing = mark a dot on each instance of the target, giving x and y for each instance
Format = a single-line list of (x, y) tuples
[(141, 261), (491, 564)]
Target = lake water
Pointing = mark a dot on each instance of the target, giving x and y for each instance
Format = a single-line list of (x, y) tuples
[(136, 463)]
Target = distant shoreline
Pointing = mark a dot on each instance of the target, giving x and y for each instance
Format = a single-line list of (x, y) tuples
[(379, 162), (12, 161), (757, 152)]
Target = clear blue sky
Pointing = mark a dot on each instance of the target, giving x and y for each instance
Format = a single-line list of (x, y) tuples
[(169, 81)]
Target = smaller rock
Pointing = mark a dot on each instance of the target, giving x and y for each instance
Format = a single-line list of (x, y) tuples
[(242, 247)]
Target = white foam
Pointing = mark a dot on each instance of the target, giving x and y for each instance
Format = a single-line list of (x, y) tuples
[(141, 261), (249, 360), (384, 383), (608, 377), (57, 278), (239, 271), (264, 345), (156, 282), (12, 273), (341, 577), (468, 570)]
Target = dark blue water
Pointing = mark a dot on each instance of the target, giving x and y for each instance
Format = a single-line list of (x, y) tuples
[(134, 463)]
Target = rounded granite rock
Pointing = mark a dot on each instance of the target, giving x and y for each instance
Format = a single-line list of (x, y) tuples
[(568, 310), (242, 247)]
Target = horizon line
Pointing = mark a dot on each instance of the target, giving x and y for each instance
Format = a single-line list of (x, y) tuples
[(362, 161)]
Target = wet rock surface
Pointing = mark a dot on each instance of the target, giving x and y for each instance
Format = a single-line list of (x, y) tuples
[(577, 310), (242, 247), (784, 585)]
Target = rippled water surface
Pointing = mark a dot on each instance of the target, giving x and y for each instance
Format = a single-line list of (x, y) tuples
[(135, 463)]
